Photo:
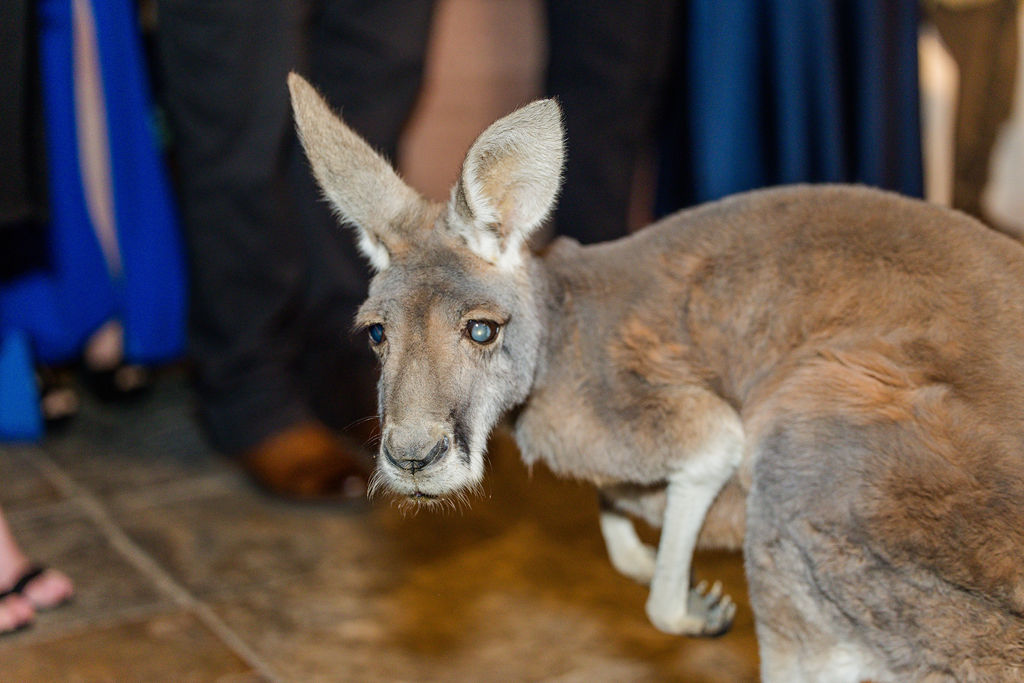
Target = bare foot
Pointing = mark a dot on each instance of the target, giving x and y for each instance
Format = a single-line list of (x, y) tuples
[(49, 589), (16, 612), (22, 584), (104, 350)]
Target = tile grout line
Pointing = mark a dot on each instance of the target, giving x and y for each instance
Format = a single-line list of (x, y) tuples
[(145, 563)]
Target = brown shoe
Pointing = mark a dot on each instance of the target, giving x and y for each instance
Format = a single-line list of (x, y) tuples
[(307, 462)]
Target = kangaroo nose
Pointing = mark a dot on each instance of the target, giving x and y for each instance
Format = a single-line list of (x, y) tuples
[(413, 459)]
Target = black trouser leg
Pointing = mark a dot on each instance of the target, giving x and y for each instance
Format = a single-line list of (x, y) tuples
[(275, 281), (607, 67), (224, 66)]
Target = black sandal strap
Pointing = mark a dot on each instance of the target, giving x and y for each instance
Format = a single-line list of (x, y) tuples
[(30, 575)]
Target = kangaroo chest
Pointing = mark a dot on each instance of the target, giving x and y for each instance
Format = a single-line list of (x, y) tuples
[(580, 438)]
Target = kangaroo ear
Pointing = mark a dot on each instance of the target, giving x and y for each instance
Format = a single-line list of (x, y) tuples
[(509, 181), (361, 186)]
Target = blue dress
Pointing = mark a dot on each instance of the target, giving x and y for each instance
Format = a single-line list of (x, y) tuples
[(46, 315)]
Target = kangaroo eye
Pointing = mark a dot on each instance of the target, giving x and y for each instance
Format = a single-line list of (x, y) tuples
[(482, 331), (376, 332)]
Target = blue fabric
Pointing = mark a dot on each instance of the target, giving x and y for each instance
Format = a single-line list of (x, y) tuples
[(784, 91), (57, 309), (151, 296), (20, 417), (723, 80)]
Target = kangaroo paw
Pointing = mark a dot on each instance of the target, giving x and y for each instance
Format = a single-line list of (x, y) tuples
[(708, 612), (715, 608)]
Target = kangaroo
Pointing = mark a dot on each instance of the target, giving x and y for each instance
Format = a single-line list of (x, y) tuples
[(830, 377)]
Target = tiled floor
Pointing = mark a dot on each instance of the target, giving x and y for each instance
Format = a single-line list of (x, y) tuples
[(186, 572)]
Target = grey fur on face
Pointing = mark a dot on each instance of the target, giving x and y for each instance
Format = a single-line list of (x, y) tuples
[(436, 381)]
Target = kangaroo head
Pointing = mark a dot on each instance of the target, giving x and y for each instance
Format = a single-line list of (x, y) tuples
[(453, 311)]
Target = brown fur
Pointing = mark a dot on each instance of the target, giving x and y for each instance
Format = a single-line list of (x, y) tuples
[(833, 376), (814, 306)]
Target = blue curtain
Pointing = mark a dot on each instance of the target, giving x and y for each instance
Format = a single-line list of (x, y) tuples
[(56, 309), (770, 92)]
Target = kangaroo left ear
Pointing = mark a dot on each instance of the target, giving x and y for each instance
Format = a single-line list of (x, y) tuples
[(509, 182), (361, 186)]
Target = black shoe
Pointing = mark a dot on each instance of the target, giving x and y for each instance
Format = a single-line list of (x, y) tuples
[(123, 382), (58, 398)]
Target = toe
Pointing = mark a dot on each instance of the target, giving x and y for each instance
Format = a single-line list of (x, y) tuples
[(15, 612), (49, 589)]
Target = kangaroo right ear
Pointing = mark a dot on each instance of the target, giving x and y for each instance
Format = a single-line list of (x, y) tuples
[(360, 185), (509, 181)]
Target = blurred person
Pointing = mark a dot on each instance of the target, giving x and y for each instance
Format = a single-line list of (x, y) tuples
[(1002, 198), (282, 383), (275, 283), (981, 36), (92, 269)]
